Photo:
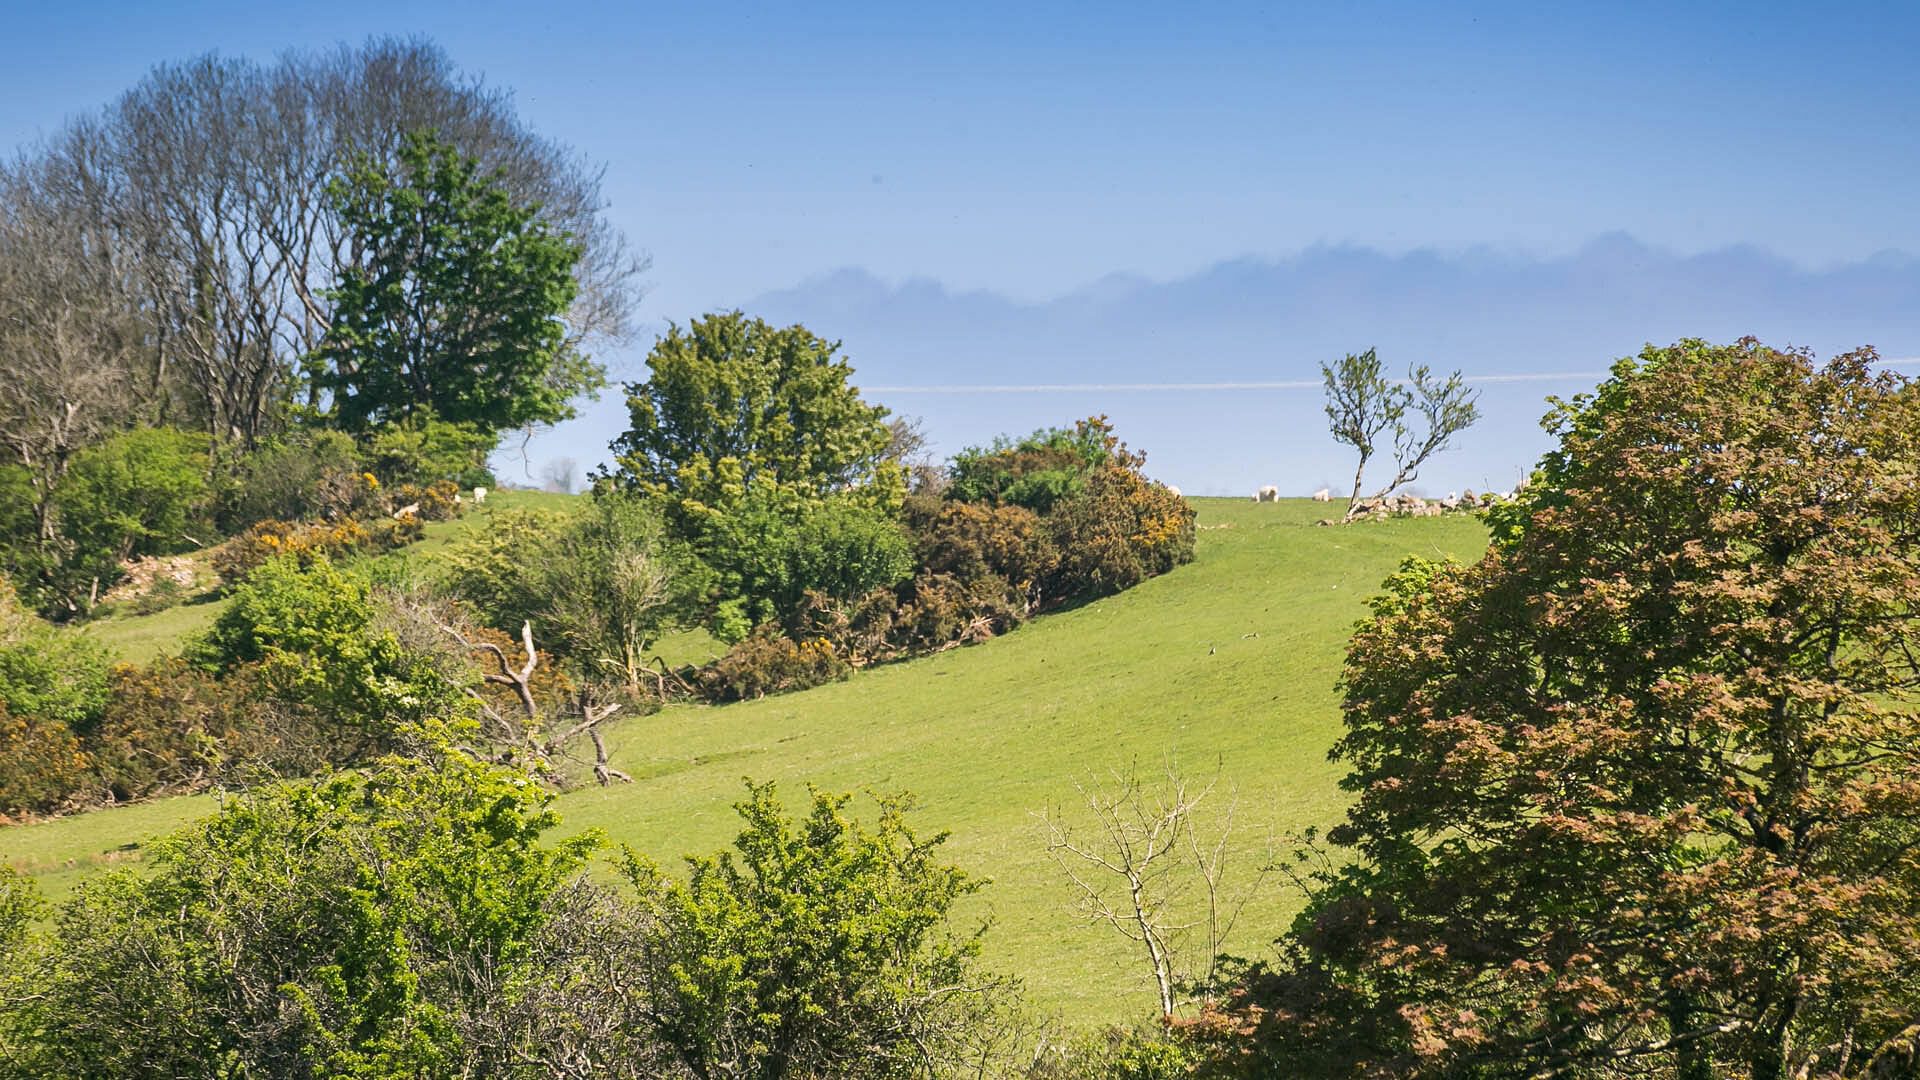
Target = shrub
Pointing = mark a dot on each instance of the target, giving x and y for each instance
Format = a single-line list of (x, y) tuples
[(134, 494), (599, 588), (768, 554), (57, 676), (769, 662), (1036, 472), (304, 474), (1120, 531), (307, 544), (816, 947), (424, 451), (354, 927), (312, 629), (170, 727), (41, 764), (975, 543)]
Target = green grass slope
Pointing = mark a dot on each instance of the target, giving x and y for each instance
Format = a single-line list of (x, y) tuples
[(1228, 662)]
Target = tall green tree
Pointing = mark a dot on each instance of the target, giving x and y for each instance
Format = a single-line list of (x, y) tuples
[(1639, 792), (455, 305), (733, 404)]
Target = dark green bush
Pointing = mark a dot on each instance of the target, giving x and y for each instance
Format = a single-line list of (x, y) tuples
[(306, 474), (1036, 472), (767, 555)]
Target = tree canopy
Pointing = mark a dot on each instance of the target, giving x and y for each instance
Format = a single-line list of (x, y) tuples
[(733, 404), (455, 307), (1641, 789)]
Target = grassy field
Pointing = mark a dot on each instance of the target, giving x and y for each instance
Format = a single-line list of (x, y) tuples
[(1228, 663)]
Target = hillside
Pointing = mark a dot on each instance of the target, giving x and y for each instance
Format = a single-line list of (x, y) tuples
[(1228, 661)]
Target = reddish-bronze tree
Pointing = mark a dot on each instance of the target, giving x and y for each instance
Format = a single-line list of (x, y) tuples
[(1639, 793)]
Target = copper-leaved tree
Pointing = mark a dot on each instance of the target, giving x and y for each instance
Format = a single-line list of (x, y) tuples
[(1639, 792)]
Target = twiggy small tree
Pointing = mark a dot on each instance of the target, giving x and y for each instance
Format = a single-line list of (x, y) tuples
[(1156, 875), (1362, 405)]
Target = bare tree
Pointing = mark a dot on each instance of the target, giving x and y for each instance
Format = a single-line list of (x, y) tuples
[(1147, 868), (526, 736), (67, 338), (204, 188), (559, 474), (1362, 405)]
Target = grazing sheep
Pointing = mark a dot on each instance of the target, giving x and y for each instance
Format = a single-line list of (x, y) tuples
[(1323, 495), (1269, 493), (1174, 491), (479, 495), (407, 511)]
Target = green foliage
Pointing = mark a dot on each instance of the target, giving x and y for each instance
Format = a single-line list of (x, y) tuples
[(54, 675), (769, 553), (734, 406), (599, 587), (352, 927), (816, 947), (1638, 791), (456, 308), (304, 474), (1036, 472), (313, 629), (495, 572), (613, 583), (136, 493), (424, 449)]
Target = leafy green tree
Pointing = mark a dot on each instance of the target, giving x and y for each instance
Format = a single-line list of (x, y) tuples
[(734, 405), (136, 493), (456, 305), (1639, 792), (317, 633), (815, 947), (365, 926)]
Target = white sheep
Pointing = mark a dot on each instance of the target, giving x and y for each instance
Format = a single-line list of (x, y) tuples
[(479, 495), (1323, 495)]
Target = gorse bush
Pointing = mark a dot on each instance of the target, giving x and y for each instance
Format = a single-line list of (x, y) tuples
[(770, 662), (42, 765), (306, 544)]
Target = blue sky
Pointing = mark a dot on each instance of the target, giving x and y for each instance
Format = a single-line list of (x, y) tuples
[(1032, 150)]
